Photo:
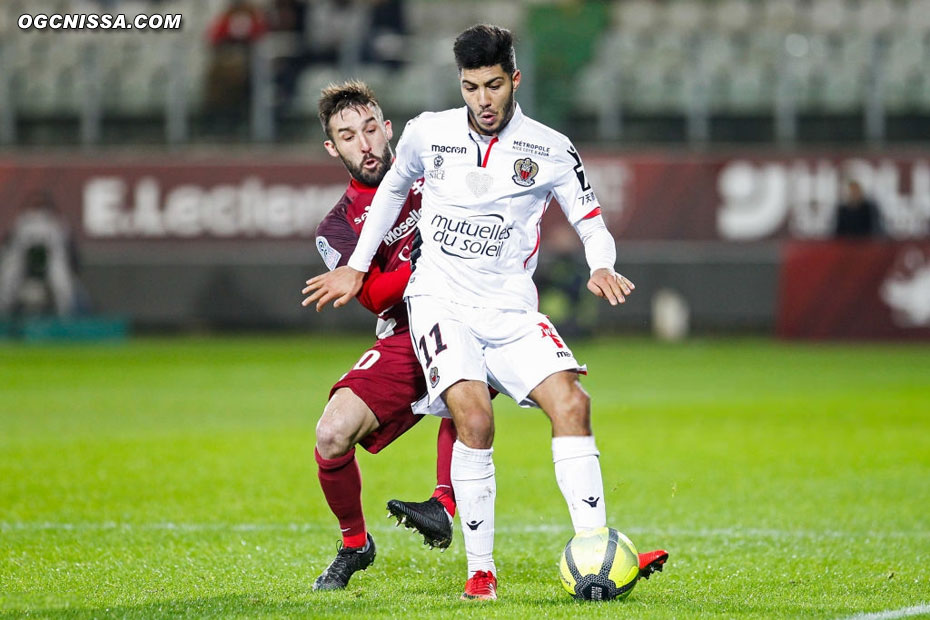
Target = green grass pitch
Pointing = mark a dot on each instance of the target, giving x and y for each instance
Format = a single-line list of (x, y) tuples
[(175, 478)]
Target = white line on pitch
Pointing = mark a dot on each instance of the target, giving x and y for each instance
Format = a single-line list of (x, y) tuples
[(891, 614), (729, 532)]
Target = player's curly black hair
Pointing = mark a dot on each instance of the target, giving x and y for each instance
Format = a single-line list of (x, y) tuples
[(338, 97), (484, 45)]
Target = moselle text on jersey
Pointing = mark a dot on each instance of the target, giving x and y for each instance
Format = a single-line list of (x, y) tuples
[(338, 232)]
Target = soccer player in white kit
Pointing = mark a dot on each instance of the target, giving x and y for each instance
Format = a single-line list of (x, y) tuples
[(489, 175)]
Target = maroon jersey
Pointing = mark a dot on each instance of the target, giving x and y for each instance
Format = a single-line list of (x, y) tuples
[(337, 236)]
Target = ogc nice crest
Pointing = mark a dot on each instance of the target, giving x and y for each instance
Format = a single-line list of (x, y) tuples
[(524, 171)]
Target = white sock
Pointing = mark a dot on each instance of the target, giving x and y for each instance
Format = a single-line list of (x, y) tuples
[(578, 472), (475, 487)]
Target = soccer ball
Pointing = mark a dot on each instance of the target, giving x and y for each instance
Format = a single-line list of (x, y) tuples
[(599, 565)]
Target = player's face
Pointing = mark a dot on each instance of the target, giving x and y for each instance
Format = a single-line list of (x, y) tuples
[(362, 140), (488, 93)]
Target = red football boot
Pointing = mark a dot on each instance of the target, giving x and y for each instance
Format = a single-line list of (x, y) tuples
[(481, 587), (652, 562)]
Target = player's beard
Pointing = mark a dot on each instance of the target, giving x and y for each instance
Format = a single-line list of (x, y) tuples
[(371, 178), (506, 114)]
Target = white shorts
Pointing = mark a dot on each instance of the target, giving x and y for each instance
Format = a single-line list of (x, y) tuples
[(513, 351)]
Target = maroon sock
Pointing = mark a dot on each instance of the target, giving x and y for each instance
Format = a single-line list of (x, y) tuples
[(444, 442), (341, 481)]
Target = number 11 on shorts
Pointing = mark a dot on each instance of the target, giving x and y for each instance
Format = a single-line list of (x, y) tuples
[(440, 347)]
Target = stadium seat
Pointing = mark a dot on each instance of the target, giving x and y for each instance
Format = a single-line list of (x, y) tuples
[(827, 16), (716, 51), (718, 90), (917, 16), (70, 90), (763, 47), (906, 50), (634, 16), (921, 100), (803, 84), (512, 14), (589, 86), (877, 16), (780, 15), (311, 81), (619, 49), (901, 90), (731, 16), (686, 16), (670, 49), (856, 49), (751, 88), (37, 91), (648, 90), (843, 89), (376, 76)]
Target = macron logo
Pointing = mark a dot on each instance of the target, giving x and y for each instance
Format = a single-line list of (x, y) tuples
[(442, 148)]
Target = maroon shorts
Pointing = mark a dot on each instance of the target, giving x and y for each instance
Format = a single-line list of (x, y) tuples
[(388, 378)]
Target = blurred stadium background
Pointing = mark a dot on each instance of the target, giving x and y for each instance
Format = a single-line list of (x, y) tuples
[(720, 136), (170, 182)]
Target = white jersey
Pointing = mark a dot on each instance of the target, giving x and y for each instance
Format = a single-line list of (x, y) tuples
[(483, 201)]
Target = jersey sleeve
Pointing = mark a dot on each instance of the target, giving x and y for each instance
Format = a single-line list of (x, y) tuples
[(382, 290), (407, 161), (335, 239), (389, 199), (572, 188)]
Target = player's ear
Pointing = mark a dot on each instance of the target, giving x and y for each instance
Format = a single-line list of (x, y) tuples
[(388, 130), (331, 148), (516, 80)]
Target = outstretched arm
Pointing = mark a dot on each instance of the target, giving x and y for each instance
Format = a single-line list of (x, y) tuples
[(600, 251), (383, 289), (342, 284), (339, 286)]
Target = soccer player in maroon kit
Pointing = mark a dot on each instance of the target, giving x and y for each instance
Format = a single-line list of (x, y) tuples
[(371, 405)]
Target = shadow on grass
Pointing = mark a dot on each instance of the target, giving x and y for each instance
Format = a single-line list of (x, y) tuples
[(310, 605), (223, 606)]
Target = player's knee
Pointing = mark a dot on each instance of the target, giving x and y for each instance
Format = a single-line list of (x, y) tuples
[(476, 429), (332, 438), (574, 410)]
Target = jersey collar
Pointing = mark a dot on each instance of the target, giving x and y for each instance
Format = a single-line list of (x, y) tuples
[(361, 188)]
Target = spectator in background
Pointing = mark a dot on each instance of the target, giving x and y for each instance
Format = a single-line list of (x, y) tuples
[(386, 43), (38, 263), (345, 34), (348, 33), (287, 21), (232, 35), (858, 216)]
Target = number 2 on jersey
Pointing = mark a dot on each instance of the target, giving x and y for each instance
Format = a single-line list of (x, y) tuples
[(440, 347)]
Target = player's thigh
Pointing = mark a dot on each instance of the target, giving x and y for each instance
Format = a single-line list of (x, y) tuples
[(536, 352), (388, 379), (445, 346)]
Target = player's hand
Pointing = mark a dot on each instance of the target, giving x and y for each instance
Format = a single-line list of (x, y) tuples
[(341, 284), (610, 285)]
